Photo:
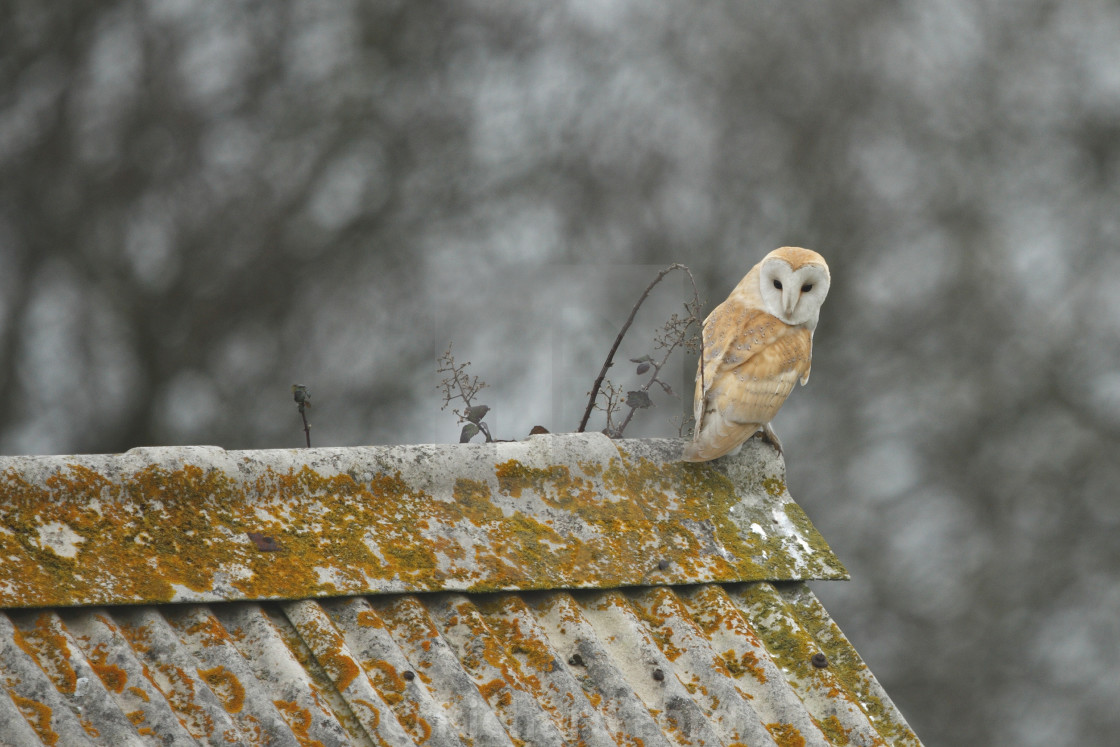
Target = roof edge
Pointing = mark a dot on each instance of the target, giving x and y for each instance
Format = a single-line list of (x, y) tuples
[(199, 523)]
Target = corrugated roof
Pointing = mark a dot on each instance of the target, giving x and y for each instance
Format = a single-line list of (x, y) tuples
[(699, 665), (698, 648)]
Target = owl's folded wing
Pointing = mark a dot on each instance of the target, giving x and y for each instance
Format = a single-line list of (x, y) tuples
[(751, 362)]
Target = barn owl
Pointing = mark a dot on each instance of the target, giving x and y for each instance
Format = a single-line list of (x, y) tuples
[(757, 343)]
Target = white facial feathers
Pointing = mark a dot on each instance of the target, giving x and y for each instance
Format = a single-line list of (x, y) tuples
[(793, 295)]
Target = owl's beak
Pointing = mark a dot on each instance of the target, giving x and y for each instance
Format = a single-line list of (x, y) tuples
[(789, 299)]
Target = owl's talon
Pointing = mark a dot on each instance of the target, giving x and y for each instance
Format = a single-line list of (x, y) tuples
[(768, 435)]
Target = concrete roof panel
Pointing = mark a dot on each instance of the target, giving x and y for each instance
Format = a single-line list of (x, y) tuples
[(182, 524)]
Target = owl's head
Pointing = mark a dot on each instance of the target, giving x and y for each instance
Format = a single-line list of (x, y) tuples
[(793, 283)]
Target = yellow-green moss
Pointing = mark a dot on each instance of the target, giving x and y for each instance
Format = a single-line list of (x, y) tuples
[(791, 647), (835, 731), (844, 663), (774, 487)]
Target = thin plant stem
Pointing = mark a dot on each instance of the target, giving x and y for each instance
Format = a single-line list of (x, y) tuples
[(622, 333)]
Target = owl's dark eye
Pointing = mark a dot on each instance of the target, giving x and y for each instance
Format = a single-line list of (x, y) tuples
[(778, 284), (807, 287)]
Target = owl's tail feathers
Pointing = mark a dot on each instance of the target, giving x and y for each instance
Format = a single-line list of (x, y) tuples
[(717, 438)]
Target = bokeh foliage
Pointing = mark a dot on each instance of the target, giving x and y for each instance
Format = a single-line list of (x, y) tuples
[(202, 203)]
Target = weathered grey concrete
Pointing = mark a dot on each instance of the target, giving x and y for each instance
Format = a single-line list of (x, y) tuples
[(556, 511)]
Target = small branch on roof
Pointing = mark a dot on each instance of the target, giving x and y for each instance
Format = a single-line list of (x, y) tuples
[(675, 333), (458, 384), (302, 396)]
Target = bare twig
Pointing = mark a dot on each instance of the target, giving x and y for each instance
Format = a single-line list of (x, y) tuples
[(594, 393), (675, 336), (302, 397), (468, 387), (613, 396)]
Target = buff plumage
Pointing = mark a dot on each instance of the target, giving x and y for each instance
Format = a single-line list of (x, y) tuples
[(757, 345)]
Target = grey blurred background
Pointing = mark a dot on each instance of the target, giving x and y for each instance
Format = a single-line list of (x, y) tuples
[(202, 203)]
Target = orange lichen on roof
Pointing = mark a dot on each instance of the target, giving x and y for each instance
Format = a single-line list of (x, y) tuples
[(38, 716), (410, 619), (47, 644), (178, 687), (386, 679), (475, 498), (654, 607), (786, 735), (491, 647), (138, 636), (226, 686), (738, 665), (504, 613), (391, 686), (372, 712), (210, 631), (319, 637), (299, 720), (408, 713), (417, 726), (387, 519), (137, 718), (111, 675), (339, 666), (530, 664), (369, 619), (497, 692)]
